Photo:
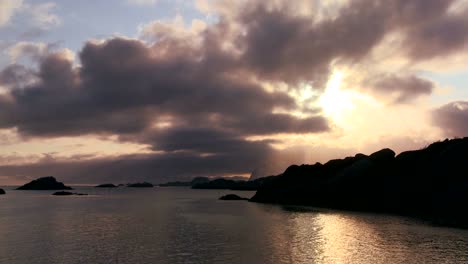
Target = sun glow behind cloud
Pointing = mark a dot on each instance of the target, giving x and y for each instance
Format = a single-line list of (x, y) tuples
[(359, 121), (335, 102), (341, 105)]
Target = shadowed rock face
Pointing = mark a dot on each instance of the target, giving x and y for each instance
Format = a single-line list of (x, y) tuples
[(232, 197), (430, 183), (44, 183), (2, 191)]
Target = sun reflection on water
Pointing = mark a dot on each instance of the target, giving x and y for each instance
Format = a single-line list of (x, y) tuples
[(318, 237)]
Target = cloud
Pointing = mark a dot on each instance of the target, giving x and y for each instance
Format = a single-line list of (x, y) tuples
[(16, 75), (174, 29), (399, 89), (7, 9), (452, 119), (124, 86), (127, 88), (39, 16), (42, 15), (440, 35), (28, 50)]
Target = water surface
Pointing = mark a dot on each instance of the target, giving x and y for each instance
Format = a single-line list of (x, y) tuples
[(180, 225)]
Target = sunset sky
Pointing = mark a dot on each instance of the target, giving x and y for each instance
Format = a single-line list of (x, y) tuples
[(159, 90)]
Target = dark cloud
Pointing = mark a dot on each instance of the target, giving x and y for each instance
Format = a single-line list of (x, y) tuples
[(16, 75), (200, 140), (283, 46), (127, 85), (438, 36), (399, 89), (122, 87), (452, 119)]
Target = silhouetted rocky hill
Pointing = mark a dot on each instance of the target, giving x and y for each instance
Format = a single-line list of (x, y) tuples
[(430, 183), (44, 183)]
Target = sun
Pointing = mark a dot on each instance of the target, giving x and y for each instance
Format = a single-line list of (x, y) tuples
[(334, 101)]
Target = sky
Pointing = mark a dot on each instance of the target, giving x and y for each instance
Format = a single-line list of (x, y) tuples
[(157, 90)]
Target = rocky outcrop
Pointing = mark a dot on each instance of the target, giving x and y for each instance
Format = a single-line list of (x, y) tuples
[(232, 197), (2, 191), (44, 183), (431, 183)]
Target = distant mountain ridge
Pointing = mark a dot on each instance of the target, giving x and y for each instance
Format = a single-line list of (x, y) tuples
[(228, 184), (431, 183)]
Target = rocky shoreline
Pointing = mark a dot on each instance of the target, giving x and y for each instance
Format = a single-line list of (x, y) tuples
[(430, 183)]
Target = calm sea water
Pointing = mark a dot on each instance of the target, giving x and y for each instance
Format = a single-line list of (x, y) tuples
[(180, 225)]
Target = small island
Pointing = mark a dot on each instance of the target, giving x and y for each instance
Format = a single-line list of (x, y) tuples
[(106, 185), (2, 191), (44, 183), (63, 193), (232, 197), (140, 185)]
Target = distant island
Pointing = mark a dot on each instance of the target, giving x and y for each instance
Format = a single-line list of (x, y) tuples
[(140, 185), (63, 193), (232, 197), (220, 184), (194, 181), (106, 185), (239, 185), (44, 183), (431, 183)]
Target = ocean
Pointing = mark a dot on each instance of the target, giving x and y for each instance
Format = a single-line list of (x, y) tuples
[(180, 225)]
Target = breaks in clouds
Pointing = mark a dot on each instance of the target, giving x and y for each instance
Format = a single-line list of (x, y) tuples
[(196, 96)]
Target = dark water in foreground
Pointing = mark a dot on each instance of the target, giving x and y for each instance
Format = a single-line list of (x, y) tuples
[(179, 225)]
